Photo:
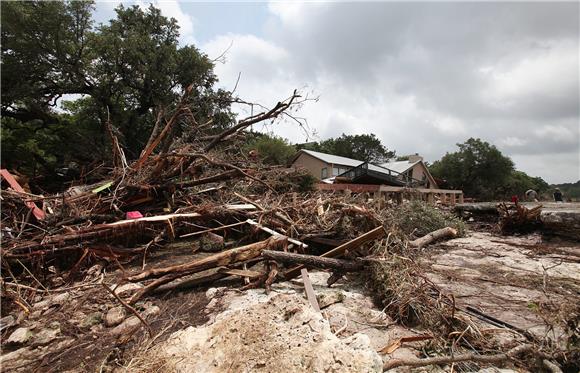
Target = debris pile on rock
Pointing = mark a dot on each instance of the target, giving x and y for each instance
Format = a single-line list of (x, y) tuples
[(235, 221)]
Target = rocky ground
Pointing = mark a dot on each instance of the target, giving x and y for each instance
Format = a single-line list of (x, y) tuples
[(524, 281)]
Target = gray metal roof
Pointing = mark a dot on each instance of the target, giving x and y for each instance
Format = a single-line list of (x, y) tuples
[(334, 159), (400, 166)]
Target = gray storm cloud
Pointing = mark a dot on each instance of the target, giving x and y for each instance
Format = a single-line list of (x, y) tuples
[(423, 77)]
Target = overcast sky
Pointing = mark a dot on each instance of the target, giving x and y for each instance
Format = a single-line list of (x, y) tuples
[(421, 76)]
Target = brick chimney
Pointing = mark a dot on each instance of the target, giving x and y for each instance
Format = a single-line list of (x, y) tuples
[(415, 158)]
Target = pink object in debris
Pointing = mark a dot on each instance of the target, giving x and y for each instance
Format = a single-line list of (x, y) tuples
[(134, 215)]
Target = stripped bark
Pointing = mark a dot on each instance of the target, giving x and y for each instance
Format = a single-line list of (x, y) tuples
[(446, 232), (438, 360), (220, 259), (314, 261)]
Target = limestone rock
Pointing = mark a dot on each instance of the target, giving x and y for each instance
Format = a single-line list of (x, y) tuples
[(115, 316), (92, 319), (283, 334), (126, 289), (20, 336), (326, 299), (46, 336), (7, 322)]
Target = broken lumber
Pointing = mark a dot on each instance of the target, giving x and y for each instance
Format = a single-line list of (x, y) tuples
[(313, 261), (446, 232), (274, 233), (309, 290), (438, 360), (371, 235)]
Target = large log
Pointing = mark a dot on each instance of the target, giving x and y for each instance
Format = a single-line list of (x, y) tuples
[(313, 261), (223, 258), (378, 232), (446, 232), (169, 274)]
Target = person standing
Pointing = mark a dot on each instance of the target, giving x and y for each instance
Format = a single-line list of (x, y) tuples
[(558, 195)]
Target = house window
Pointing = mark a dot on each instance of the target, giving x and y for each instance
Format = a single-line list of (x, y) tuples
[(324, 174), (334, 171)]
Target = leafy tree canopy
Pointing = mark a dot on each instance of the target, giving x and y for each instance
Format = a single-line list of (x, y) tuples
[(126, 71), (478, 168), (272, 150), (482, 171), (365, 147)]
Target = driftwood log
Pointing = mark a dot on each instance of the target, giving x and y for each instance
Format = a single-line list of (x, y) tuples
[(447, 232), (314, 261), (438, 360), (371, 235), (168, 274)]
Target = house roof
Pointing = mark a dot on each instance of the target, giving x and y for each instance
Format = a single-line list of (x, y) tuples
[(329, 158), (399, 166)]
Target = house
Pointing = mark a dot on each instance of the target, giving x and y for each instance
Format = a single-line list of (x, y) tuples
[(412, 172), (322, 165), (413, 169)]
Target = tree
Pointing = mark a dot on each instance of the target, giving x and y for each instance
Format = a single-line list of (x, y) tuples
[(127, 71), (478, 168), (272, 150), (519, 182), (365, 147)]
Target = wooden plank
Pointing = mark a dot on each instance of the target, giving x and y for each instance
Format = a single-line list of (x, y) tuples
[(314, 261), (38, 213), (213, 229), (241, 273), (274, 233), (309, 290), (378, 232)]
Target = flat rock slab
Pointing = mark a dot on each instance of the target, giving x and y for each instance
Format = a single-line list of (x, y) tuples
[(283, 334)]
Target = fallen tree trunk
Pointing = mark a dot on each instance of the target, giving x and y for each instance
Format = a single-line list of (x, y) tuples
[(313, 261), (438, 360), (378, 232), (446, 232), (169, 274), (218, 260)]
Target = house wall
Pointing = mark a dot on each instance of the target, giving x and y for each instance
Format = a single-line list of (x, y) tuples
[(419, 170), (313, 165)]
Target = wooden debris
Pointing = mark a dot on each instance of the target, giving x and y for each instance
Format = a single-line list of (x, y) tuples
[(309, 290), (374, 234), (440, 360), (446, 232)]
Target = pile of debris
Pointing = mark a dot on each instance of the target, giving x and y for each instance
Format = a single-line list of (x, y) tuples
[(241, 223)]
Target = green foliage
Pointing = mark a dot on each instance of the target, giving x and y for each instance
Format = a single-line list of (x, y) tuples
[(478, 168), (272, 150), (126, 71), (519, 182), (366, 148), (571, 191), (420, 218)]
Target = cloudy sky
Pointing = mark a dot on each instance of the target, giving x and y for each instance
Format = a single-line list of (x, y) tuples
[(421, 76)]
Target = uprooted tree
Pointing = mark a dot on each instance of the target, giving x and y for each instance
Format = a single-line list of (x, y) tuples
[(128, 73)]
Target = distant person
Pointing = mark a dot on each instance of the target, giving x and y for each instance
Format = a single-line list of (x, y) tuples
[(558, 195), (532, 195), (515, 200)]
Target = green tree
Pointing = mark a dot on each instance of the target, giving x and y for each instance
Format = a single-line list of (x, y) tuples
[(519, 182), (126, 71), (365, 147), (272, 150), (478, 168)]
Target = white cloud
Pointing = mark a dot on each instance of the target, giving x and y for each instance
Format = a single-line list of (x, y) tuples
[(421, 77), (512, 141), (172, 9)]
